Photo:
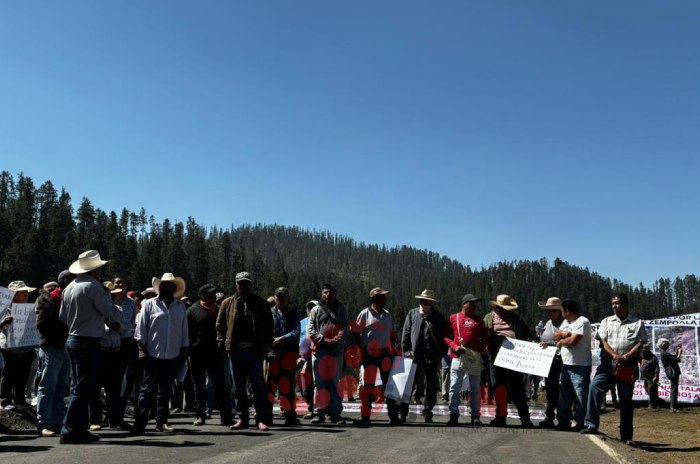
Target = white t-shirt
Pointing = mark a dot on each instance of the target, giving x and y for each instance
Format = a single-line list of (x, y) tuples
[(579, 354)]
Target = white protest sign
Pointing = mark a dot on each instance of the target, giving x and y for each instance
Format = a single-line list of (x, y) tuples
[(22, 331), (6, 296), (400, 382), (525, 357)]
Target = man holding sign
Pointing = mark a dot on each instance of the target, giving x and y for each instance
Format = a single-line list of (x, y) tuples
[(503, 323), (18, 352)]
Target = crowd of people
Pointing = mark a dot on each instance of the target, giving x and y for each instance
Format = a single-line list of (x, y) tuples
[(107, 346)]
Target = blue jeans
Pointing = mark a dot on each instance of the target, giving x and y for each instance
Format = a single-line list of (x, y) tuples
[(246, 363), (456, 379), (600, 384), (158, 378), (573, 387), (53, 385), (326, 383), (84, 355)]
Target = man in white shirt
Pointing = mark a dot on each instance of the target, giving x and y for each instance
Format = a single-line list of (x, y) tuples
[(163, 339), (574, 340)]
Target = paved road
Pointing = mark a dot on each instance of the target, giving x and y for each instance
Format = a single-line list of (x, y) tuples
[(415, 442)]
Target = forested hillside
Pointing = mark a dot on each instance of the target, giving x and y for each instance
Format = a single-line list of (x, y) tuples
[(41, 234)]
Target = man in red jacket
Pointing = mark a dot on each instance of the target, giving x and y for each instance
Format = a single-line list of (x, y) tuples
[(467, 337)]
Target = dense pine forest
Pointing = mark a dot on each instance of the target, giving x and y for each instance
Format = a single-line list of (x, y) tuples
[(41, 234)]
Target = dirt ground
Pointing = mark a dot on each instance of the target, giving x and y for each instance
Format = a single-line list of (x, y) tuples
[(663, 437)]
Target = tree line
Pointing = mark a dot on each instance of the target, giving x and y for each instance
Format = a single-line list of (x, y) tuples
[(41, 234)]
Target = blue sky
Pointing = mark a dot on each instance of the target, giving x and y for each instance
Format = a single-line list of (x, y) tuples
[(482, 130)]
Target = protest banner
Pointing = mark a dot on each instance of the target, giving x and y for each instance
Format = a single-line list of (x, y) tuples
[(22, 331), (6, 296), (401, 377), (682, 331), (525, 357)]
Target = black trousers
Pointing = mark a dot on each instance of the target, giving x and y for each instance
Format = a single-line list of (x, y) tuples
[(551, 385), (109, 378), (209, 361), (14, 377), (431, 386)]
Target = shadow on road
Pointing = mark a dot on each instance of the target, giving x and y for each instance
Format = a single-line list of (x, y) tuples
[(24, 449), (664, 448), (156, 443)]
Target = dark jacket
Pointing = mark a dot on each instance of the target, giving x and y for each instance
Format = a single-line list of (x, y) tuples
[(288, 328), (413, 330), (263, 325), (522, 332), (671, 367), (53, 332), (650, 368), (202, 329)]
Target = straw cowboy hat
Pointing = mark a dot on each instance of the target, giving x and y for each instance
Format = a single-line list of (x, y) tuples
[(169, 277), (87, 261), (20, 286), (427, 295), (552, 304), (111, 287), (504, 301)]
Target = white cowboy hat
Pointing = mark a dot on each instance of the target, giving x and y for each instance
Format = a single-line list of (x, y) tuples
[(148, 291), (551, 304), (427, 295), (504, 301), (169, 277), (87, 261), (20, 286)]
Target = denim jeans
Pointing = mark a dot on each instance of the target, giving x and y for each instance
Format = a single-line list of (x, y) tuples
[(246, 363), (573, 388), (159, 375), (84, 355), (327, 368), (53, 385), (600, 384), (456, 379)]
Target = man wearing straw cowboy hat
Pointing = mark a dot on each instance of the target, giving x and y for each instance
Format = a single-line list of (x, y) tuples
[(18, 360), (163, 338), (423, 340), (551, 382), (502, 322), (85, 306)]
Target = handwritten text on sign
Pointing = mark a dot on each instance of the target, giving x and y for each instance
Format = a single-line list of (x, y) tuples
[(6, 296), (22, 331), (526, 357)]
